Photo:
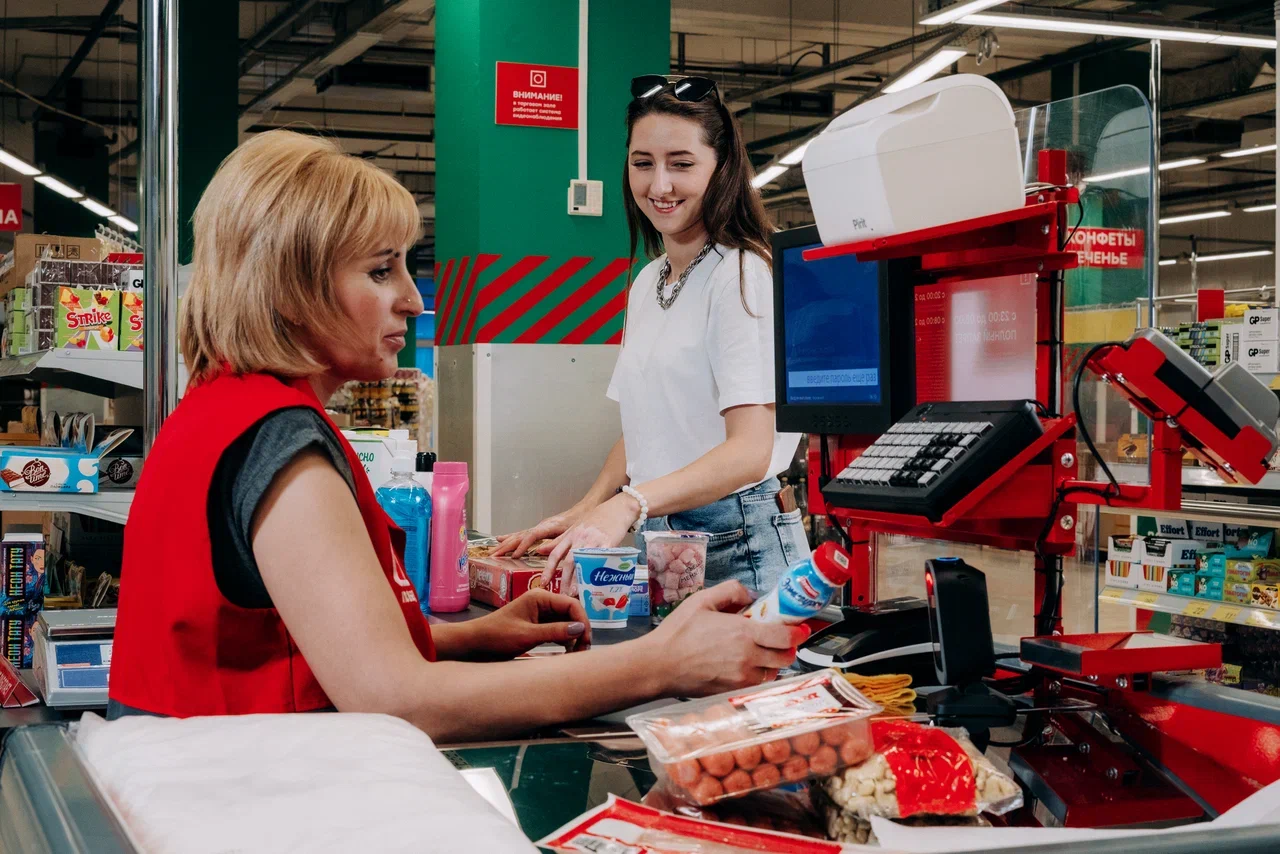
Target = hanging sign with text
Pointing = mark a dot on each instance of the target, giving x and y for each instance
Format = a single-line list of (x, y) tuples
[(1110, 248), (10, 207), (536, 95)]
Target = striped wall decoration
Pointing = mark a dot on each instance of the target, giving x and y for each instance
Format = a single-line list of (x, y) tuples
[(531, 300)]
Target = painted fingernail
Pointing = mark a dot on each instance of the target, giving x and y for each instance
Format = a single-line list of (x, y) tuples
[(576, 629)]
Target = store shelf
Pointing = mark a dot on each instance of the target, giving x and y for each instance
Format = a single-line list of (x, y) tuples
[(112, 505), (105, 373), (1226, 612), (1193, 477)]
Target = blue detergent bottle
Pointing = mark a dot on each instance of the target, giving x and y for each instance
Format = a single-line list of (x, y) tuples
[(409, 506)]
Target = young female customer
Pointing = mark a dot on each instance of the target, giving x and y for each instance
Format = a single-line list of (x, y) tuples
[(259, 573), (694, 378)]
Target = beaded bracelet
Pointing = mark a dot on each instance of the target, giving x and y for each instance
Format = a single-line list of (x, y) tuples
[(644, 506)]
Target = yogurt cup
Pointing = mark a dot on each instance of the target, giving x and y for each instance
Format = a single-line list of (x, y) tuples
[(604, 579), (639, 604)]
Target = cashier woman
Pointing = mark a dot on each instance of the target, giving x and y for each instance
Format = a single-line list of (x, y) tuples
[(694, 378), (259, 573)]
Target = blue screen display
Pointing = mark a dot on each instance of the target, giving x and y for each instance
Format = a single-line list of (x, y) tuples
[(831, 318)]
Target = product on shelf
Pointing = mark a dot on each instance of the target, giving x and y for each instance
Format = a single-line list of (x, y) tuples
[(1266, 595), (86, 319), (745, 741), (23, 585), (1208, 586), (131, 320), (28, 249), (920, 770)]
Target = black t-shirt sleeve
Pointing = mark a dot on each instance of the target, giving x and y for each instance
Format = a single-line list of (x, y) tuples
[(243, 475)]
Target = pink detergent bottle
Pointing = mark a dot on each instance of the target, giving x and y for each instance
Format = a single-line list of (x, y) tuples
[(450, 580)]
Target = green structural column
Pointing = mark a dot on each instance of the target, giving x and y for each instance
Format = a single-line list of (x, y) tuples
[(208, 105), (513, 266)]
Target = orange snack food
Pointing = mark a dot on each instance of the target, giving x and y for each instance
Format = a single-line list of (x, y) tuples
[(806, 744), (747, 757), (855, 751), (708, 790), (776, 751), (795, 769), (766, 776), (685, 772), (823, 761), (737, 782), (718, 764)]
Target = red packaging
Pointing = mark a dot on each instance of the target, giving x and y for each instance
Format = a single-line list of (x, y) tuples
[(497, 581), (621, 826)]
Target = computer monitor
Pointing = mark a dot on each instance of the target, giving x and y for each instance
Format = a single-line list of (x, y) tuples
[(842, 365)]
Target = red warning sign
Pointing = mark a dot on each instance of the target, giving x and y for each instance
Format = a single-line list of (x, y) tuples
[(10, 207), (536, 95), (1110, 248)]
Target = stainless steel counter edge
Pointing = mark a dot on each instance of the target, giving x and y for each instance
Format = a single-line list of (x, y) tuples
[(1219, 698)]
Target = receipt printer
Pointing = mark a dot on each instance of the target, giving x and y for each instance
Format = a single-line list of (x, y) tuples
[(944, 151)]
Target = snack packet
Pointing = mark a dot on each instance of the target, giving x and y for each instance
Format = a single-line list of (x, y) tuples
[(747, 741), (921, 770), (621, 827)]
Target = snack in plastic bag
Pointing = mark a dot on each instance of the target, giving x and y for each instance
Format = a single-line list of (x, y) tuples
[(777, 809), (746, 741), (844, 826), (621, 827), (921, 770)]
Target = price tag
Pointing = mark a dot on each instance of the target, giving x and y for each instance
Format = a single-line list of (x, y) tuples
[(1196, 609), (1111, 593), (1148, 598), (1257, 618), (1227, 613)]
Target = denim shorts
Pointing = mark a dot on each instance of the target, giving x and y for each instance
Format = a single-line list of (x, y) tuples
[(751, 541)]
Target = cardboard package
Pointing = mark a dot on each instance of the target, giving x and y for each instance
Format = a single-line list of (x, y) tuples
[(501, 580), (30, 248), (16, 644), (1208, 586), (131, 320), (375, 448), (1262, 324), (87, 319), (41, 469)]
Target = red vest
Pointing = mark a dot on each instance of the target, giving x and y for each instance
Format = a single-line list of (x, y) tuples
[(181, 648)]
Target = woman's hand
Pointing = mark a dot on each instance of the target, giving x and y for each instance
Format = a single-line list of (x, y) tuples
[(705, 646), (604, 527), (534, 618), (515, 545)]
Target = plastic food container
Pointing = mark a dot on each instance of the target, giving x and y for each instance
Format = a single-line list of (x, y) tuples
[(788, 731), (604, 579), (677, 562)]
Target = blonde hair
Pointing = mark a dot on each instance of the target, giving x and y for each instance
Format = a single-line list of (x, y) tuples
[(282, 211)]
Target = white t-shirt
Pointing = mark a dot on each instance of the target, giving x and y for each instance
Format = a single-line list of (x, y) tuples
[(679, 369)]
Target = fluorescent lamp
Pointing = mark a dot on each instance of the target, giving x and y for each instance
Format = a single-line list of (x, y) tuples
[(1227, 256), (1143, 170), (17, 165), (925, 69), (1246, 152), (1087, 27), (956, 11), (58, 187), (1168, 262), (97, 207), (1260, 208), (126, 224), (795, 155), (768, 175), (1172, 220)]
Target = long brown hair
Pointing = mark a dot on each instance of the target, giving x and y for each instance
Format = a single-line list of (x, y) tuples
[(732, 211)]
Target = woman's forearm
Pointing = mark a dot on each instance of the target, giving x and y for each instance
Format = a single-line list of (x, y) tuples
[(456, 701), (723, 470), (613, 474)]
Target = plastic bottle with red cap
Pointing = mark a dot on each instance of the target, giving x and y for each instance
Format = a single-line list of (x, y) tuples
[(804, 589)]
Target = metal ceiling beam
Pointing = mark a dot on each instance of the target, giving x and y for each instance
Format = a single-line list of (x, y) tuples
[(1066, 57), (288, 19), (348, 133), (55, 22), (82, 52), (811, 79)]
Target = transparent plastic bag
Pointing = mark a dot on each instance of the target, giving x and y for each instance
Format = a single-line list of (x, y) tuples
[(921, 770), (748, 741)]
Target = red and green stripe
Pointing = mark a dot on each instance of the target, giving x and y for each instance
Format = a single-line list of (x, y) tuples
[(530, 300)]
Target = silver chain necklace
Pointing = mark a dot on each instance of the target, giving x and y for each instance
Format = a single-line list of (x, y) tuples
[(667, 302)]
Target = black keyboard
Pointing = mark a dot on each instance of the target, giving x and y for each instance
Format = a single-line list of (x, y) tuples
[(934, 456)]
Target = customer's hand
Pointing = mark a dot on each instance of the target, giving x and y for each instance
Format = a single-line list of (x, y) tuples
[(535, 618), (515, 545), (706, 646), (604, 527)]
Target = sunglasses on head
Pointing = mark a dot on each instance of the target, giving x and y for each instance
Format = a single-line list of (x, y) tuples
[(684, 88)]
